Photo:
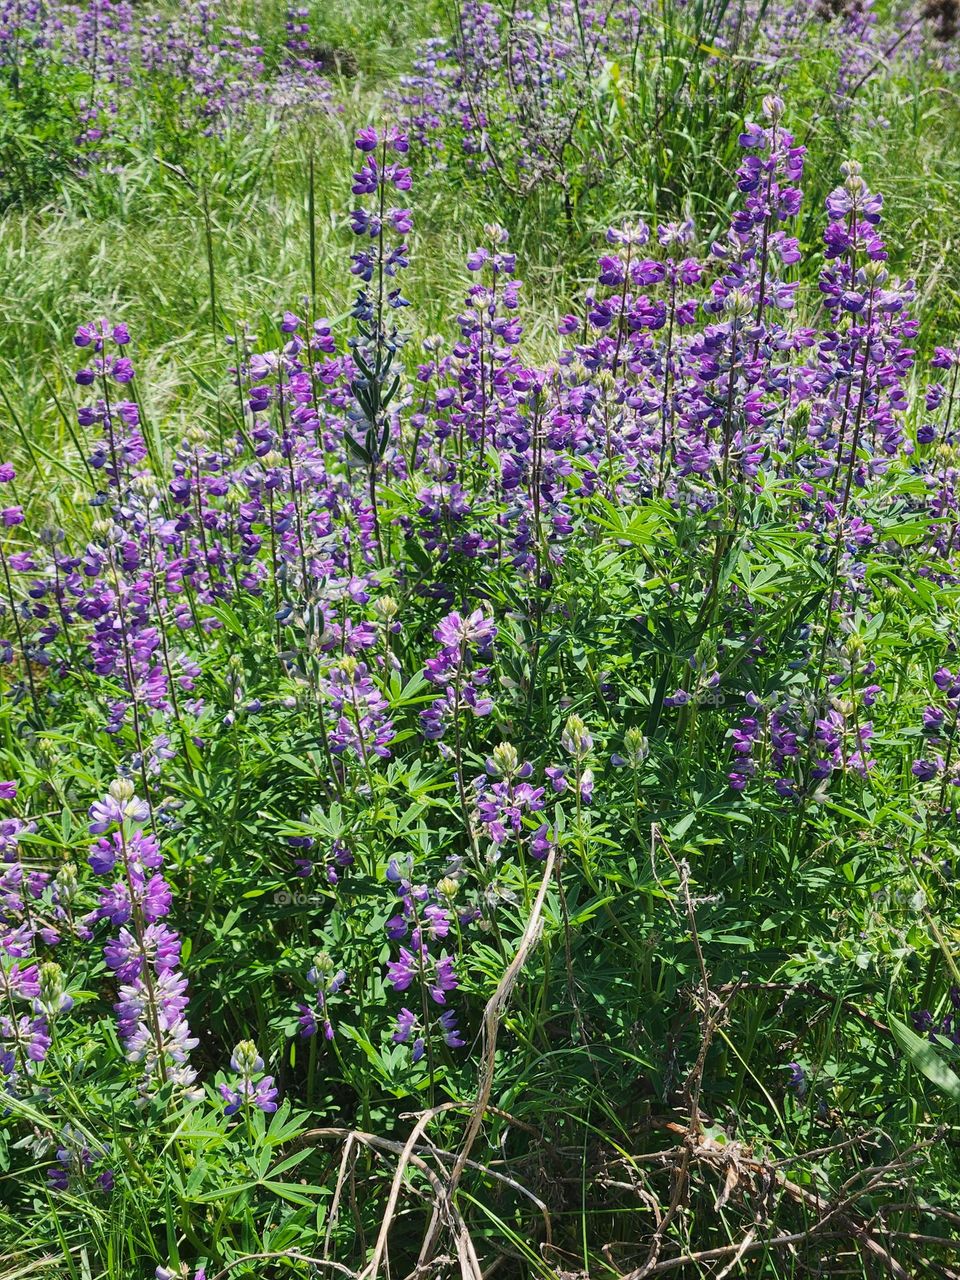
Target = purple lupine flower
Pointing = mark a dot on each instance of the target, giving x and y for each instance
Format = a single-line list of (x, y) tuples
[(119, 805), (327, 981), (407, 1023), (76, 1159), (463, 640), (402, 972), (161, 950), (261, 1094), (502, 805), (797, 1080), (448, 1024), (458, 632)]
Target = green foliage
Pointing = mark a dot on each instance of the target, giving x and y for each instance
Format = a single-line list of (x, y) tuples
[(38, 128), (696, 950)]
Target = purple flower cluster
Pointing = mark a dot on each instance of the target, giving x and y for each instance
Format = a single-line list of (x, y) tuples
[(685, 374), (510, 93), (77, 1160), (646, 401), (424, 920), (34, 913), (326, 982), (939, 730), (359, 708), (254, 1089), (504, 797), (947, 1027), (464, 641), (207, 72), (144, 953)]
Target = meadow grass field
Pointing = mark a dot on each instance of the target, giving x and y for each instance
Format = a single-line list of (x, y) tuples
[(479, 674)]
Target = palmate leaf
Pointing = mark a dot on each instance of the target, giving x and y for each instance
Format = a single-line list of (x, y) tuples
[(228, 1191), (924, 1056), (300, 1194)]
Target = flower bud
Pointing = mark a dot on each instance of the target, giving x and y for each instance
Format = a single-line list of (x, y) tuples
[(246, 1060), (53, 998), (145, 484), (505, 759), (386, 608), (705, 658), (51, 981), (738, 304), (448, 888), (852, 171), (875, 273), (854, 646), (122, 790), (576, 738), (636, 747), (66, 882), (800, 416)]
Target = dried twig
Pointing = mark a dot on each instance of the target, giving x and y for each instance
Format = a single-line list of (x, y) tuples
[(492, 1016), (292, 1254)]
